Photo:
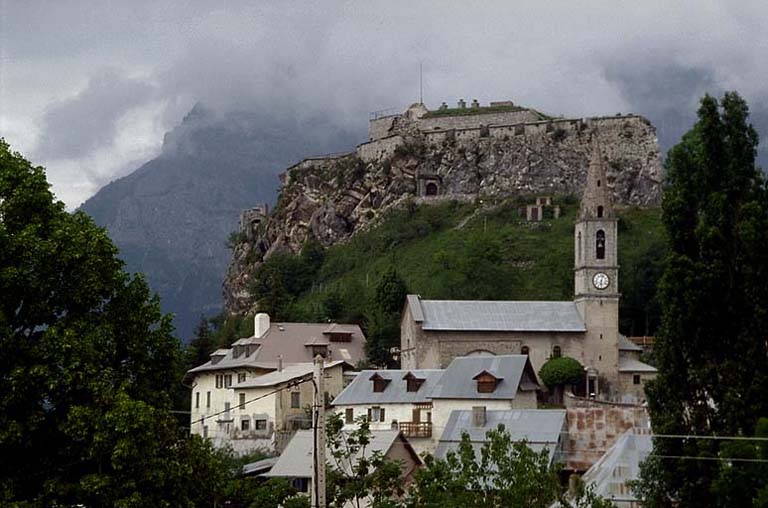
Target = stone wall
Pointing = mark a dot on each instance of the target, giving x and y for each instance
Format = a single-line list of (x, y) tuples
[(469, 121), (593, 430), (380, 127), (380, 149)]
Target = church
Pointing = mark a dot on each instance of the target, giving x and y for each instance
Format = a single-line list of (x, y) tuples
[(433, 332)]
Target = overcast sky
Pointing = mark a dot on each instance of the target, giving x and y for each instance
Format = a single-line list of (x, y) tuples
[(88, 89)]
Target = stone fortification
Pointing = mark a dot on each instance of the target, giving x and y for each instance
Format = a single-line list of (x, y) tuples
[(332, 197)]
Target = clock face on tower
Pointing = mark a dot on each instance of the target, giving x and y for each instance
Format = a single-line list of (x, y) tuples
[(600, 280)]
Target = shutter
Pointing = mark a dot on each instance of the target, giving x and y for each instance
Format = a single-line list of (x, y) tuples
[(369, 414), (381, 419), (416, 416)]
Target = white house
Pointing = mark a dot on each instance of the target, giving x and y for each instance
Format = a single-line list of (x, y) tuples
[(419, 402), (219, 384)]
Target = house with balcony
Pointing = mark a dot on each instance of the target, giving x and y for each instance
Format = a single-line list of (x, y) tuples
[(419, 402), (275, 356)]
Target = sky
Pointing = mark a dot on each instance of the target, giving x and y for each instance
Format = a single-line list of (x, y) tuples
[(88, 89)]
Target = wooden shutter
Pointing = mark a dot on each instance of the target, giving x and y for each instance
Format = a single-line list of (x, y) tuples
[(350, 415), (381, 415), (416, 416), (369, 414)]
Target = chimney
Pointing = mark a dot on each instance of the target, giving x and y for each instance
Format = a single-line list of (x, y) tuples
[(260, 325), (462, 104), (478, 416), (279, 363)]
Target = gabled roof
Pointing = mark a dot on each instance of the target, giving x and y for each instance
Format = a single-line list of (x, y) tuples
[(289, 373), (289, 341), (360, 390), (496, 316), (632, 365), (627, 345), (296, 459), (456, 382), (542, 428)]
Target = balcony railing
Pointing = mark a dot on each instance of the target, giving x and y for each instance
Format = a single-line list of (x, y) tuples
[(416, 429)]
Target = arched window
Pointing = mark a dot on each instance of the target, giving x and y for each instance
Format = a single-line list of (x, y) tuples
[(557, 352), (600, 244), (525, 350), (599, 211), (578, 247)]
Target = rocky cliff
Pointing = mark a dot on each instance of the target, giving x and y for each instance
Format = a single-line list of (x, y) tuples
[(332, 198)]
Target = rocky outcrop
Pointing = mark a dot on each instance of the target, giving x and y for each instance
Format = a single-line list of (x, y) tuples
[(332, 199)]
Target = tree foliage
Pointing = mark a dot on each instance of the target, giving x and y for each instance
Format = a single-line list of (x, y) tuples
[(561, 371), (89, 366), (504, 473), (383, 318), (710, 350)]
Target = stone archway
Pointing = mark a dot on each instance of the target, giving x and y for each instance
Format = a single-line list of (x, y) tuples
[(430, 189)]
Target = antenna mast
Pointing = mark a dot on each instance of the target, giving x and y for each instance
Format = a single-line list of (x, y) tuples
[(421, 83)]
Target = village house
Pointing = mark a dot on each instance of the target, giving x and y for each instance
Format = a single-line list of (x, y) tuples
[(420, 402), (542, 429), (295, 463), (219, 384), (434, 332)]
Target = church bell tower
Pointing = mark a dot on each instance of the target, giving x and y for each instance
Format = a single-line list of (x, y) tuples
[(596, 271)]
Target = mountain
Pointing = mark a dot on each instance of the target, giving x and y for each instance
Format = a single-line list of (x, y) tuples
[(171, 218)]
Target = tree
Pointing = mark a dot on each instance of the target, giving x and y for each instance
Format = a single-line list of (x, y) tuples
[(201, 346), (89, 365), (503, 474), (710, 348), (383, 318), (559, 372)]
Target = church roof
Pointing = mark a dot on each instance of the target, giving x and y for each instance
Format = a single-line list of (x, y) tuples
[(496, 316)]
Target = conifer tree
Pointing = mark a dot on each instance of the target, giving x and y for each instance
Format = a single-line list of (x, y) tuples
[(711, 348)]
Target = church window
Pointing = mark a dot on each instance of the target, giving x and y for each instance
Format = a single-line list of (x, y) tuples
[(557, 352), (600, 244), (525, 350), (599, 211)]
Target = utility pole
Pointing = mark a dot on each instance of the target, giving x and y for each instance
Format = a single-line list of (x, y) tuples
[(318, 428)]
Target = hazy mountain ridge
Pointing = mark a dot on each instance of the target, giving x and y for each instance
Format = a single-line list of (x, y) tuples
[(171, 217)]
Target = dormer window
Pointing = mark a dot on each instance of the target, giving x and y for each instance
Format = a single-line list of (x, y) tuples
[(379, 383), (321, 350), (486, 382), (412, 383)]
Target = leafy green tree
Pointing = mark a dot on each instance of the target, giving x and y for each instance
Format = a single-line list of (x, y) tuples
[(561, 371), (710, 349), (503, 474), (89, 365)]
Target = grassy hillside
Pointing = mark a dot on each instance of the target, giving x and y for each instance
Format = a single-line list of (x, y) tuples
[(468, 250)]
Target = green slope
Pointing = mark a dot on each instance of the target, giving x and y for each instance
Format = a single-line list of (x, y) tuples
[(468, 250)]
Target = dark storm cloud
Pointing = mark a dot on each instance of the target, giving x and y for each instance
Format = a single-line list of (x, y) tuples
[(338, 60), (74, 127)]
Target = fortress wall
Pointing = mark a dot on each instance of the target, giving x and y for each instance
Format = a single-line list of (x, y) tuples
[(470, 121), (378, 149), (379, 127)]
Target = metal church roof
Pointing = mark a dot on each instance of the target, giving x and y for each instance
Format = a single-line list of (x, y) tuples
[(498, 316)]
